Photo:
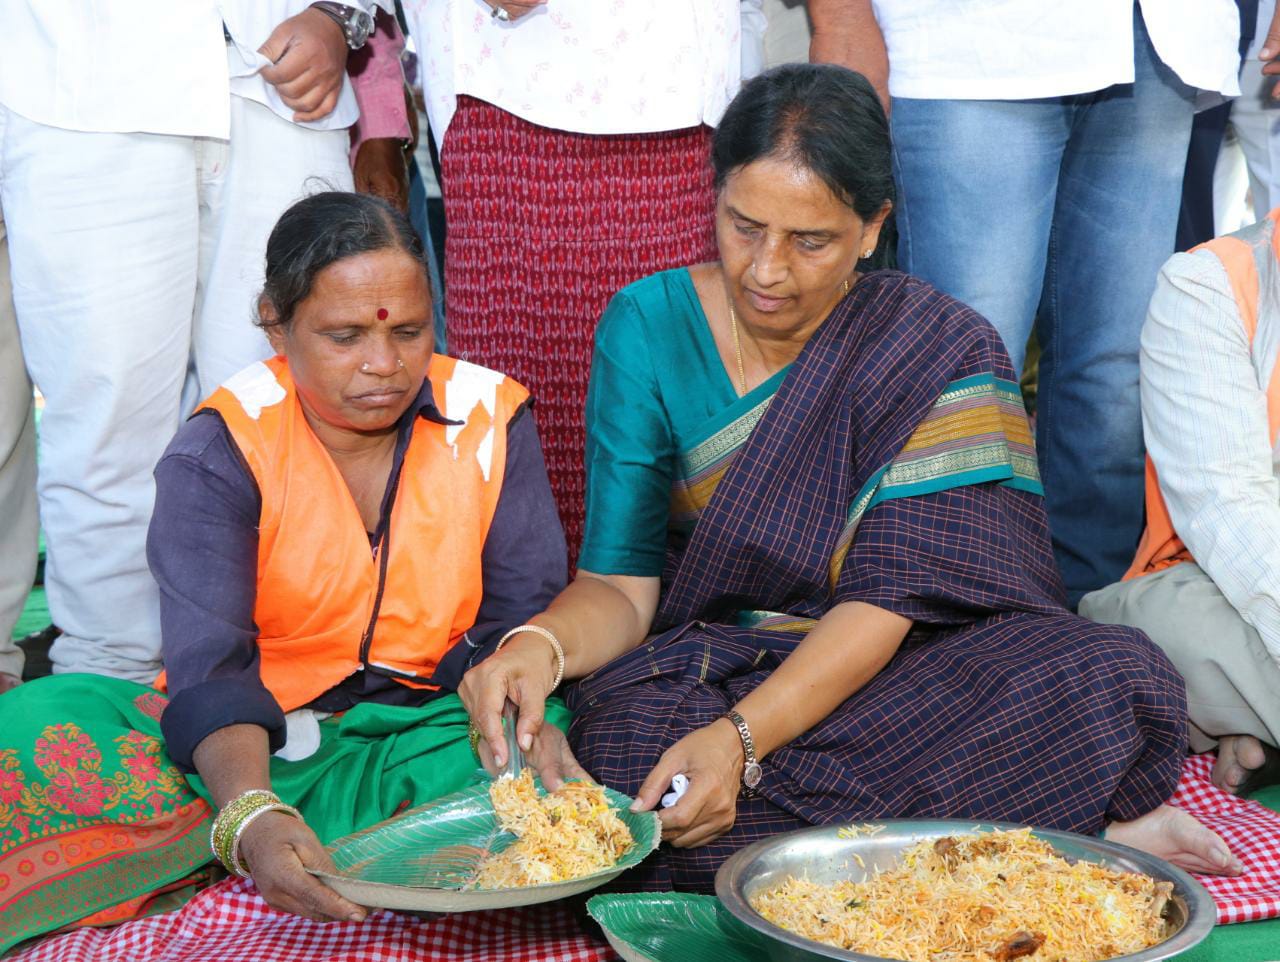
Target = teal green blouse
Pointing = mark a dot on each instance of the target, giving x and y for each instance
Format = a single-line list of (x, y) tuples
[(658, 387)]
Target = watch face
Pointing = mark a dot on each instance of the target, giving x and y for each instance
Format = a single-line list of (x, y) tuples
[(751, 775), (360, 25)]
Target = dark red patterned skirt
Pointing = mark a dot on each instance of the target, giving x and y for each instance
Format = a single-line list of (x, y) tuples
[(544, 227)]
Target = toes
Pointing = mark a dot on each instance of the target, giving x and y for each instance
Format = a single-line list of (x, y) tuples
[(1249, 754), (1202, 850)]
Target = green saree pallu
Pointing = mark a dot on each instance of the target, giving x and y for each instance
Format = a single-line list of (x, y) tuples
[(96, 821)]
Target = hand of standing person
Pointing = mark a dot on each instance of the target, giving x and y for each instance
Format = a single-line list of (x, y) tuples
[(308, 55), (380, 169), (845, 32), (1269, 53), (515, 10)]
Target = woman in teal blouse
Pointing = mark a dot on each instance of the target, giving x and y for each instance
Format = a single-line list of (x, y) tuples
[(658, 408), (816, 578)]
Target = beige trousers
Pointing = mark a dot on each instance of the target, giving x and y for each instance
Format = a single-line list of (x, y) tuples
[(19, 521), (1233, 683)]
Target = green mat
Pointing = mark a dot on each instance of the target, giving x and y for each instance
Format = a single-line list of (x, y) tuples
[(35, 615)]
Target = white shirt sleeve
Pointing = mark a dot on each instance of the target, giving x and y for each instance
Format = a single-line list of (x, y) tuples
[(1205, 418)]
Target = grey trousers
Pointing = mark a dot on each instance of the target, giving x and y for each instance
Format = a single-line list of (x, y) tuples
[(19, 517), (1233, 683)]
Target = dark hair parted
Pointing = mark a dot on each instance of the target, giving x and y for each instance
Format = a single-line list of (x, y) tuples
[(320, 230), (828, 120)]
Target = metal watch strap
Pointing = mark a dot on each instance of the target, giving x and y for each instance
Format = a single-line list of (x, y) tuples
[(750, 766)]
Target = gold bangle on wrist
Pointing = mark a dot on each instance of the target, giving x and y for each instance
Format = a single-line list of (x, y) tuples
[(555, 644), (234, 818), (234, 850)]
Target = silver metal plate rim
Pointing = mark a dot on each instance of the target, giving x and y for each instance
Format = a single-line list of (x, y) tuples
[(730, 880)]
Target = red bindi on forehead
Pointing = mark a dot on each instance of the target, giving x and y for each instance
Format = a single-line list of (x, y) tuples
[(382, 313)]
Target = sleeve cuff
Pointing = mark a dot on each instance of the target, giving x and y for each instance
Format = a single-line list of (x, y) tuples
[(197, 712), (473, 647)]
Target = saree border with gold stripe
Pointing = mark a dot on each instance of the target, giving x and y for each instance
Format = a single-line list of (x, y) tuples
[(976, 432)]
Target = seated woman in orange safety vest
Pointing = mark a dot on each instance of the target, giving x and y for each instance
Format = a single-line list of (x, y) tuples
[(1205, 584), (337, 539)]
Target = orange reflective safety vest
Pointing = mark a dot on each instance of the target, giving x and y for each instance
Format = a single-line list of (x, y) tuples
[(1251, 258), (327, 603)]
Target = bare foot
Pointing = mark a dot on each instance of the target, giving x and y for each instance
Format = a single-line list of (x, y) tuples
[(1175, 836), (8, 682), (1237, 756)]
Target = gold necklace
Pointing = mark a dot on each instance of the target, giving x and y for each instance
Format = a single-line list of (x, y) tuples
[(737, 348)]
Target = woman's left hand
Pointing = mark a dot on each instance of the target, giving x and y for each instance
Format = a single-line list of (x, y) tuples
[(712, 759)]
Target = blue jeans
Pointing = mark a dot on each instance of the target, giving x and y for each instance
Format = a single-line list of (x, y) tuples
[(1058, 213)]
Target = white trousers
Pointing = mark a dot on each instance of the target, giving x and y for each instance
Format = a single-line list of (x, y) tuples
[(19, 529), (136, 259)]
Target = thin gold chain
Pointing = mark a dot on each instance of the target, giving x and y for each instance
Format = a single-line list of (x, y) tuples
[(737, 348), (737, 341)]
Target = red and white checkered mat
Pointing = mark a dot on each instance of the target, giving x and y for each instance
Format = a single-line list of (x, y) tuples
[(1250, 830), (229, 922)]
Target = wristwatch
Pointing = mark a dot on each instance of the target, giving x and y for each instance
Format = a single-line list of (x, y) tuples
[(356, 24), (751, 770)]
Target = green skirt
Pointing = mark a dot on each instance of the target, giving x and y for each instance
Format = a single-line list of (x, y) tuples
[(96, 821)]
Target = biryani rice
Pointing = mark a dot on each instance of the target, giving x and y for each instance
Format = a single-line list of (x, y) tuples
[(975, 898), (564, 835)]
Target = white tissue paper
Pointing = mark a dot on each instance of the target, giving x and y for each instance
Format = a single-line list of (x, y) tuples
[(679, 785), (302, 734)]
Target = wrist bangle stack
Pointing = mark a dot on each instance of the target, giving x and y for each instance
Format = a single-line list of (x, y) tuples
[(555, 643), (235, 817)]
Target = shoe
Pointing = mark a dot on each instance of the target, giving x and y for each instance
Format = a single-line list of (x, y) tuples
[(36, 648)]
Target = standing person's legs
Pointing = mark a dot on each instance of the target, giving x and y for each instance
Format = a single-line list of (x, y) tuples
[(102, 233), (1117, 211), (245, 185), (19, 517), (976, 188)]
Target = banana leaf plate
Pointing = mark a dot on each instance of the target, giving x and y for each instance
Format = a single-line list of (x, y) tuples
[(675, 927), (397, 863)]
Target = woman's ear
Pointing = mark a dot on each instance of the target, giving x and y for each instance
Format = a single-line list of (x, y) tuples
[(269, 321), (872, 226)]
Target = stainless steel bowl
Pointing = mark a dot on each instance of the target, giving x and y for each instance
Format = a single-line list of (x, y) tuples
[(823, 856)]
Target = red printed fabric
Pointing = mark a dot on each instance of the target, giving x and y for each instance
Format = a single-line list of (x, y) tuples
[(230, 923), (545, 226), (1250, 830)]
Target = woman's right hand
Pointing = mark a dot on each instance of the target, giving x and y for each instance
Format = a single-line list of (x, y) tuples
[(523, 671), (277, 849)]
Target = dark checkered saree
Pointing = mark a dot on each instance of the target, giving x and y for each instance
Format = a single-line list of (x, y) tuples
[(1000, 705)]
